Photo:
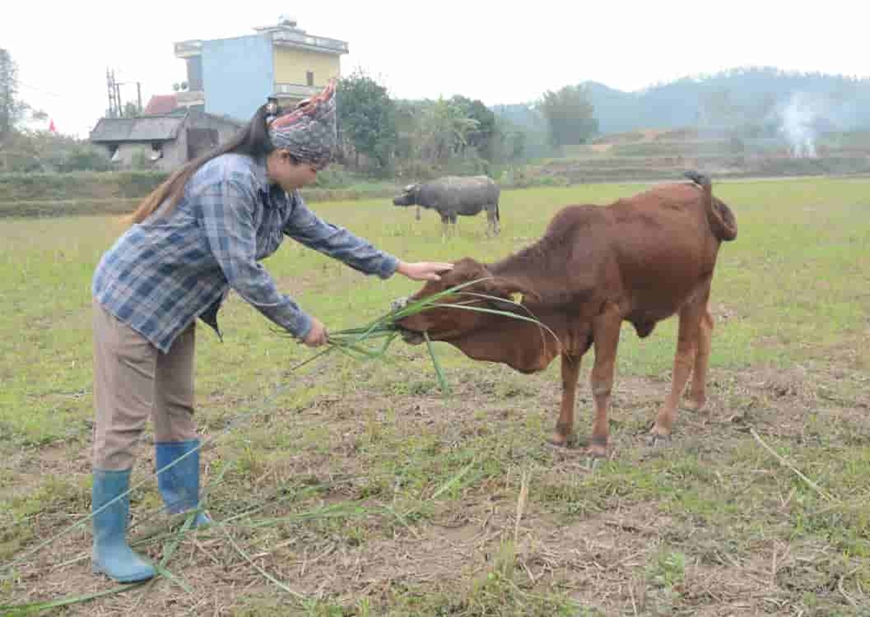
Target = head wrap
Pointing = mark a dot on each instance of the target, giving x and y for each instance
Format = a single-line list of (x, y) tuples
[(309, 131)]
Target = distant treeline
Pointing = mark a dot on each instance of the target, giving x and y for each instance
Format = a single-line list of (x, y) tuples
[(403, 140)]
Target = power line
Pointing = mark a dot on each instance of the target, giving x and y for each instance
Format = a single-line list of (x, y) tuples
[(21, 83)]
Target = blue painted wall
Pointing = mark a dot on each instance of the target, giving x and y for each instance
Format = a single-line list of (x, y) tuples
[(237, 75)]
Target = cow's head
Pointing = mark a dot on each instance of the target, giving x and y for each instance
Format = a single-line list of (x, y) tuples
[(452, 324), (408, 196)]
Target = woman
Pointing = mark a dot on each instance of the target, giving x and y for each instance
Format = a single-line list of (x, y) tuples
[(198, 235)]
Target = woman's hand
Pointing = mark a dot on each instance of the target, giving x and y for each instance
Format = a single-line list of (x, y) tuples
[(317, 335), (423, 270)]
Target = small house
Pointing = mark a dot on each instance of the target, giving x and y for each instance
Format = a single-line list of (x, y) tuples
[(162, 142)]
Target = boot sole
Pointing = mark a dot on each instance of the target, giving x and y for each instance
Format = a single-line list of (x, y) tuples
[(123, 579)]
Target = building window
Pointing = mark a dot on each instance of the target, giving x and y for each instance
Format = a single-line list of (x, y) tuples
[(156, 151), (194, 74), (309, 78)]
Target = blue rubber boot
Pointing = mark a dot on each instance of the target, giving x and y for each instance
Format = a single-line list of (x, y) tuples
[(179, 485), (110, 554)]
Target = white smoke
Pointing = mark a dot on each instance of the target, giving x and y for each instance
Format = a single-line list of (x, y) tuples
[(799, 117)]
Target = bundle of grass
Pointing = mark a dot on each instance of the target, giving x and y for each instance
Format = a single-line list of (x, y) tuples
[(358, 342)]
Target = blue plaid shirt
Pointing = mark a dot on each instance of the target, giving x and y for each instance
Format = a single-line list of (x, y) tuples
[(168, 270)]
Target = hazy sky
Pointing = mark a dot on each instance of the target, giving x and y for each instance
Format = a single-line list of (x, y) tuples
[(476, 48)]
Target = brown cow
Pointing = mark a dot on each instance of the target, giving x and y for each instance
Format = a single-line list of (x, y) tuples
[(640, 259)]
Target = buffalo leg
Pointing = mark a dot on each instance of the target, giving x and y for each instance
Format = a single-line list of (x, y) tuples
[(418, 213), (570, 374), (494, 219), (698, 389), (605, 334), (687, 350), (444, 228)]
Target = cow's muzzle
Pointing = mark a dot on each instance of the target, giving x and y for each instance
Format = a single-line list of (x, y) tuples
[(409, 336), (398, 304)]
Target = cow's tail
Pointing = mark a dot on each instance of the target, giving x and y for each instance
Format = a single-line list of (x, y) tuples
[(721, 219)]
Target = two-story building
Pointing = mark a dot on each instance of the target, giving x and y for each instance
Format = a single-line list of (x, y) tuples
[(233, 77)]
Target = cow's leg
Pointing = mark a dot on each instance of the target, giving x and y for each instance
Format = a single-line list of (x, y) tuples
[(565, 424), (687, 350), (454, 233), (605, 334), (444, 228), (698, 390), (493, 218), (418, 213), (490, 222)]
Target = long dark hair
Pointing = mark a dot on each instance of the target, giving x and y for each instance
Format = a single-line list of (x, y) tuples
[(252, 140)]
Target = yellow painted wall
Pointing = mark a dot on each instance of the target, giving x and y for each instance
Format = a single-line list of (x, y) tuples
[(291, 66)]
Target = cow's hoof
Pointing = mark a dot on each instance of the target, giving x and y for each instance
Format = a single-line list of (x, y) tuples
[(658, 441), (597, 450), (558, 440), (693, 405), (593, 462)]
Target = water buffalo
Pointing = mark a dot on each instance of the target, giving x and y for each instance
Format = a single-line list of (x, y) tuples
[(641, 259), (454, 196)]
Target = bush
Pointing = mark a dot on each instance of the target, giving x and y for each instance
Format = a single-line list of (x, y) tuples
[(336, 176), (42, 152), (82, 157), (416, 171), (78, 185)]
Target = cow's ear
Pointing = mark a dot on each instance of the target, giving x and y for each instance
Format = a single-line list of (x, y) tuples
[(513, 290)]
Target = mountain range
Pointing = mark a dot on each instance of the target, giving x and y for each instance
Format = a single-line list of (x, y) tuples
[(763, 97)]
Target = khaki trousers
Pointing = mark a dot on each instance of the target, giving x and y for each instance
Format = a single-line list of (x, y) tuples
[(134, 380)]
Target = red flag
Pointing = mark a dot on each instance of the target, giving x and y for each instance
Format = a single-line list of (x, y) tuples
[(51, 127)]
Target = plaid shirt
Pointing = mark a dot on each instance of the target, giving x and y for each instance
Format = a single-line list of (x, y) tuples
[(165, 272)]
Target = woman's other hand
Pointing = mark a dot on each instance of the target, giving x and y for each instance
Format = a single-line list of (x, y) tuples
[(423, 270), (317, 335)]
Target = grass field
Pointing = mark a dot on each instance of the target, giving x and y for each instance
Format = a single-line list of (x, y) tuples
[(356, 488)]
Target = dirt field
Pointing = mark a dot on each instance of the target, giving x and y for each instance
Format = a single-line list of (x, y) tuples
[(356, 488)]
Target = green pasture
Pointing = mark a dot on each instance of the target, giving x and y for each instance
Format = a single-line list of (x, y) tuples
[(426, 505)]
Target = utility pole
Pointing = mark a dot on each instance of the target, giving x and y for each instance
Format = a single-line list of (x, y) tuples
[(116, 109), (118, 96), (114, 95)]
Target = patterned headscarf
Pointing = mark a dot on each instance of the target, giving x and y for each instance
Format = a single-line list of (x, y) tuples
[(309, 131)]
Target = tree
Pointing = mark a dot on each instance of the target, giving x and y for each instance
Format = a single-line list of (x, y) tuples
[(444, 130), (523, 126), (482, 137), (570, 115), (367, 119), (511, 141), (131, 110), (11, 109)]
